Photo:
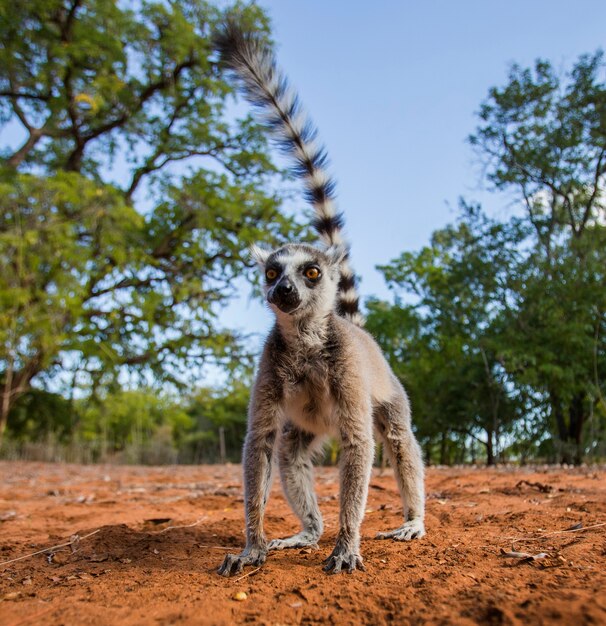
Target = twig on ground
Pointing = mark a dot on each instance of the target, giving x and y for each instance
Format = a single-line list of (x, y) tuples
[(200, 519), (74, 540), (254, 571), (574, 529)]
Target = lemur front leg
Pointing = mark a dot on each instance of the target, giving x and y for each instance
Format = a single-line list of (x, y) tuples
[(393, 423), (296, 472), (257, 460), (357, 451)]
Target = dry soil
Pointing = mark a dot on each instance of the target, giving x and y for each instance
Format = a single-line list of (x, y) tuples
[(146, 542)]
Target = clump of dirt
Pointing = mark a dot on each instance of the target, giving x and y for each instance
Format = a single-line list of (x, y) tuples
[(134, 545)]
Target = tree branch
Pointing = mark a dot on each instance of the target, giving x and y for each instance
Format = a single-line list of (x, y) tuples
[(11, 93), (144, 96), (167, 245), (74, 163), (150, 163), (34, 134), (599, 172), (67, 25), (540, 179)]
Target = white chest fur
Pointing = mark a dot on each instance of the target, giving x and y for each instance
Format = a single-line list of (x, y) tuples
[(313, 410)]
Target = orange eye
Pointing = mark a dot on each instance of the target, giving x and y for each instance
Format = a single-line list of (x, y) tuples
[(313, 273), (271, 274)]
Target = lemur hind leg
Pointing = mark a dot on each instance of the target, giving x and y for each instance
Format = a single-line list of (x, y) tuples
[(296, 450), (392, 421)]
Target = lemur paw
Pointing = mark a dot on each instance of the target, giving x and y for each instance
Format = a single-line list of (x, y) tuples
[(300, 540), (414, 529), (234, 563), (343, 559)]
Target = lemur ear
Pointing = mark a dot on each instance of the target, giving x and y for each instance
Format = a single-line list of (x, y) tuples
[(258, 254), (336, 253)]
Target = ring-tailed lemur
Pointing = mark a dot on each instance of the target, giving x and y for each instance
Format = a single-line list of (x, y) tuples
[(320, 373)]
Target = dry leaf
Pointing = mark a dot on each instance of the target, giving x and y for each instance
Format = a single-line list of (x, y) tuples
[(525, 556), (58, 558)]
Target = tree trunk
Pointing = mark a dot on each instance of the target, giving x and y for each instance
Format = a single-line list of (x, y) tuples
[(444, 460), (490, 460), (14, 385), (558, 413), (4, 409), (7, 395), (570, 434), (428, 453), (577, 420)]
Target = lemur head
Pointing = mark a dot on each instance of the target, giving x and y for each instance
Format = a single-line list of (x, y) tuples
[(300, 280)]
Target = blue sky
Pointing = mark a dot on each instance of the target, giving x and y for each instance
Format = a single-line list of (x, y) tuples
[(394, 88)]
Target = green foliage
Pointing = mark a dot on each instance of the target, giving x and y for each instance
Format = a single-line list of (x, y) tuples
[(138, 425), (545, 136), (129, 207), (446, 346), (506, 330), (213, 410), (38, 415), (129, 426)]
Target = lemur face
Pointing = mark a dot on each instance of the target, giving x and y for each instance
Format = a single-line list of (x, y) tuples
[(300, 280)]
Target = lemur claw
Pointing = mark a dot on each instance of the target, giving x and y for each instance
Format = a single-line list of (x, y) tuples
[(342, 559), (234, 563), (414, 529), (300, 540)]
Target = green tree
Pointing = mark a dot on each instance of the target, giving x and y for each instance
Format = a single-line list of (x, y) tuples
[(110, 255), (142, 425), (450, 363), (216, 411), (39, 414), (543, 137)]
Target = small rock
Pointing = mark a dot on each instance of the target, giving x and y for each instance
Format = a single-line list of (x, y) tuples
[(13, 595), (240, 596)]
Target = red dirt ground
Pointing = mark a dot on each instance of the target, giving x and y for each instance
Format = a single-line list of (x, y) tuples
[(162, 532)]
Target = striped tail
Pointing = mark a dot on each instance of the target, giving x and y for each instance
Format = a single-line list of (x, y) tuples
[(264, 85)]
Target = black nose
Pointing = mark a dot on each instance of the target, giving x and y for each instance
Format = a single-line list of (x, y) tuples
[(284, 289)]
